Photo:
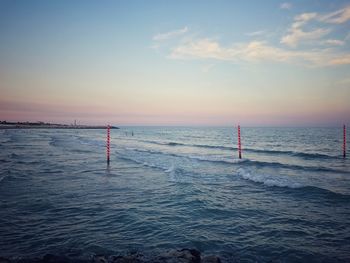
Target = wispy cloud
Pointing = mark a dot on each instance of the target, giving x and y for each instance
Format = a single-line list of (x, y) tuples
[(255, 33), (209, 49), (202, 48), (323, 52), (296, 35), (341, 60), (296, 32), (337, 17), (286, 5), (255, 51), (170, 34), (334, 42)]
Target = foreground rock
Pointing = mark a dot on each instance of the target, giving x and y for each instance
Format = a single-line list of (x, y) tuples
[(181, 256), (171, 256)]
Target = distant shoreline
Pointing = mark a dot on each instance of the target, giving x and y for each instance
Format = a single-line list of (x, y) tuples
[(42, 125)]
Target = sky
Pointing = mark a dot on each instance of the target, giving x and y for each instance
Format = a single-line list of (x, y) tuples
[(213, 63)]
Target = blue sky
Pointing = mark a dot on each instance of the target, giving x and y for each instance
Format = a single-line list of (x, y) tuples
[(176, 62)]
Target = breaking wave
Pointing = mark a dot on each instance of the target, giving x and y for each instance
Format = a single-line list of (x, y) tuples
[(223, 160), (269, 180), (231, 148)]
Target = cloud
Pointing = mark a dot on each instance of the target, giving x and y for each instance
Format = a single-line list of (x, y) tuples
[(341, 60), (286, 5), (202, 48), (296, 33), (255, 33), (334, 42), (306, 27), (337, 17), (209, 49), (255, 51), (170, 34)]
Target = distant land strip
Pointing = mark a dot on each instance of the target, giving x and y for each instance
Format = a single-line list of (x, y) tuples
[(43, 125)]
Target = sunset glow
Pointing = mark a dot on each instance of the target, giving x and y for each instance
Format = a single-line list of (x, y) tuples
[(175, 63)]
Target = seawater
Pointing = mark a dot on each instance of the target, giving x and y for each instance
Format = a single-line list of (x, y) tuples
[(287, 200)]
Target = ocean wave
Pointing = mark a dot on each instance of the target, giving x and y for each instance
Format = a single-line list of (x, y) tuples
[(326, 193), (243, 161), (295, 167), (2, 177), (200, 158), (293, 153), (232, 148), (172, 143), (57, 141), (291, 182), (171, 169), (176, 174), (80, 151), (144, 163), (14, 156), (268, 180), (69, 141), (88, 141)]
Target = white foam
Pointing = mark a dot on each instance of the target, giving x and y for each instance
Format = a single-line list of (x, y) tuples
[(175, 175), (269, 180), (171, 169), (149, 165)]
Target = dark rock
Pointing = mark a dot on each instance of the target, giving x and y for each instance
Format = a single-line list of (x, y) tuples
[(180, 256), (29, 260), (211, 259), (4, 260), (135, 258), (99, 259), (49, 258), (171, 256)]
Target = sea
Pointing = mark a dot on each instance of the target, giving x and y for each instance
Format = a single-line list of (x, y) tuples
[(286, 200)]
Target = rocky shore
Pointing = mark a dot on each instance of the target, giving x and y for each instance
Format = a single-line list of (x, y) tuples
[(171, 256)]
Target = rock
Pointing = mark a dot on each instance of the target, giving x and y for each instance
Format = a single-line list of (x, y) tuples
[(29, 260), (171, 256), (49, 258), (181, 256), (99, 259), (125, 259), (211, 259), (4, 260)]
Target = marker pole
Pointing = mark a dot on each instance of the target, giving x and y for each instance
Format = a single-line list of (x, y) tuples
[(344, 141), (108, 143), (239, 143)]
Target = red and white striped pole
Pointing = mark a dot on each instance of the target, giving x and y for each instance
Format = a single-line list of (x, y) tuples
[(344, 141), (108, 142), (239, 143)]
